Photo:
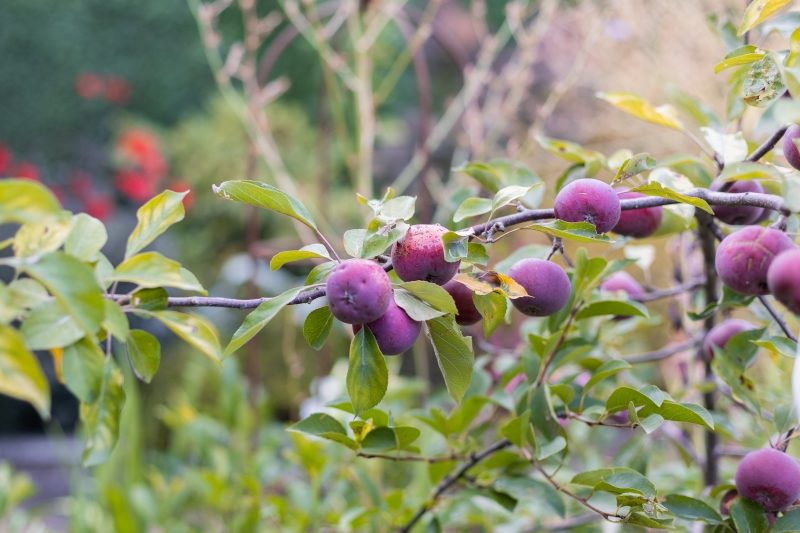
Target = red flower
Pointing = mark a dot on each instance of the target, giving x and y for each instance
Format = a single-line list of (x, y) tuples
[(89, 85), (135, 185), (181, 185), (27, 170), (99, 206), (117, 90), (6, 159), (141, 147)]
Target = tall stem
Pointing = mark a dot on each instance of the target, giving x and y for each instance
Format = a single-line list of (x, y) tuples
[(365, 106)]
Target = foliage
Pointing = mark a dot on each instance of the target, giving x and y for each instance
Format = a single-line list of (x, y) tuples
[(518, 436)]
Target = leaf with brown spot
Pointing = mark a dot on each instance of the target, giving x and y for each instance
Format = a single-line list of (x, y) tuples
[(489, 281)]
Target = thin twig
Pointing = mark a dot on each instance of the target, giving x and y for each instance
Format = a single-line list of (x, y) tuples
[(760, 152), (414, 458), (552, 354), (448, 481), (778, 318), (665, 352), (583, 501), (672, 291)]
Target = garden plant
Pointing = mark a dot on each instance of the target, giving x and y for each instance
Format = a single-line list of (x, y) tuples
[(527, 434)]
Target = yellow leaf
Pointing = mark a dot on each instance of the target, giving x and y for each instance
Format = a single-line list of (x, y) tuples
[(57, 354), (758, 11), (490, 281), (637, 106)]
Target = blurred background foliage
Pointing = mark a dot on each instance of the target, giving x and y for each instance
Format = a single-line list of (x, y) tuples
[(109, 101)]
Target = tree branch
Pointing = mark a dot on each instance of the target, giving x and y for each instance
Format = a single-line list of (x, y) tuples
[(768, 145), (778, 318), (665, 352), (672, 291), (414, 458), (448, 481), (583, 501)]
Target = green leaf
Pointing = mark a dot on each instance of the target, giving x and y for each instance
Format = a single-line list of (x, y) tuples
[(101, 418), (592, 478), (262, 195), (757, 12), (634, 166), (749, 516), (456, 245), (150, 299), (655, 189), (453, 353), (367, 374), (764, 83), (25, 201), (73, 284), (688, 413), (151, 270), (50, 326), (574, 153), (506, 195), (483, 174), (319, 273), (572, 231), (730, 370), (433, 294), (785, 417), (732, 147), (83, 365), (144, 353), (492, 307), (612, 307), (744, 55), (637, 106), (564, 392), (477, 254), (401, 207), (416, 309), (525, 488), (259, 318), (192, 330), (788, 523), (620, 398), (550, 448), (115, 321), (472, 207), (622, 482), (87, 237), (699, 111), (606, 370), (312, 251), (692, 509), (518, 430), (317, 327), (21, 376), (27, 293), (154, 217), (325, 426), (747, 170), (646, 521)]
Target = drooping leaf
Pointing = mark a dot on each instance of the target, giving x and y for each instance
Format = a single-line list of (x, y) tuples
[(193, 330), (612, 307), (606, 370), (50, 326), (592, 161), (731, 371), (637, 106), (416, 308), (259, 318), (655, 189), (319, 273), (572, 231), (21, 376), (692, 509), (453, 353), (788, 523), (144, 353), (74, 285), (83, 365), (25, 201), (151, 270), (325, 426), (525, 488), (317, 327), (699, 111), (367, 374), (87, 236), (518, 430), (506, 195), (312, 251), (456, 245), (492, 307), (101, 418), (433, 294), (262, 195), (154, 217)]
